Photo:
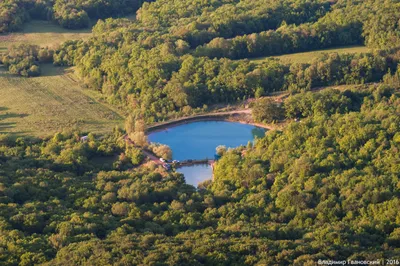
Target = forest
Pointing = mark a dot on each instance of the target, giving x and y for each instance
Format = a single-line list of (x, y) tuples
[(169, 63), (71, 14), (157, 69), (324, 186)]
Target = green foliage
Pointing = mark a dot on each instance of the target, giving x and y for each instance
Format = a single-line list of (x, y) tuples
[(71, 14), (286, 39), (267, 110), (12, 16), (161, 150), (325, 188), (348, 23), (147, 66), (327, 102), (227, 18), (166, 85), (135, 155), (23, 59)]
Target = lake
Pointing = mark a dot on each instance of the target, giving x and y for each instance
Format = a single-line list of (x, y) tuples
[(198, 140)]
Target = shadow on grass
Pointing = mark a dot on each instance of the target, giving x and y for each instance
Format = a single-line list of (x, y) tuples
[(12, 115), (43, 26), (49, 70), (46, 69), (4, 126)]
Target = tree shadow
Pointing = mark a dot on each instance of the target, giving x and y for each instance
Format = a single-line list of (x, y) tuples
[(44, 26), (258, 132), (7, 125), (49, 70), (11, 115), (46, 70)]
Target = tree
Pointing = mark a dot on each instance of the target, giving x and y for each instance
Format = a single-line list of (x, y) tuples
[(22, 59), (220, 150), (136, 156), (266, 110), (139, 138), (162, 151), (130, 124)]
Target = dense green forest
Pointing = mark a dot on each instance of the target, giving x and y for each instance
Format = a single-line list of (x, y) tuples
[(324, 188), (374, 23), (175, 58), (155, 67), (72, 14)]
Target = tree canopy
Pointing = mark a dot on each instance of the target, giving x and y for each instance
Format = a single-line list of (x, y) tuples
[(323, 188)]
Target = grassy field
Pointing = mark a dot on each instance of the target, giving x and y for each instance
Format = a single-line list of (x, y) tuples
[(55, 101), (50, 103), (42, 33), (307, 57)]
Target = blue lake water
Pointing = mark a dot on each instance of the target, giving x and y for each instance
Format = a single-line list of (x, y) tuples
[(198, 140)]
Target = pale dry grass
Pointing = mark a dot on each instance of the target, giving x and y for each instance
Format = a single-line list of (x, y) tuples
[(42, 33), (307, 57)]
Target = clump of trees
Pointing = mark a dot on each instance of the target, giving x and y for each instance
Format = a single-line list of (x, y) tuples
[(12, 16), (22, 60), (267, 110), (286, 39), (136, 130), (69, 16), (326, 102), (72, 14), (134, 155), (161, 150), (25, 59)]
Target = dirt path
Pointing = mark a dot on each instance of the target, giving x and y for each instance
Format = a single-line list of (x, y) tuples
[(148, 154)]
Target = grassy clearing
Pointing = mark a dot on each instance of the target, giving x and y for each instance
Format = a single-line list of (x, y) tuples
[(51, 103), (307, 57), (54, 101), (42, 33)]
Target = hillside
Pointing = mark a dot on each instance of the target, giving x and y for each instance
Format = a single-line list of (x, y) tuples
[(320, 187), (51, 103), (326, 188)]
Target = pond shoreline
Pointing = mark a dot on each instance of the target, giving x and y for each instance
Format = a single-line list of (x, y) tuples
[(242, 117), (193, 141)]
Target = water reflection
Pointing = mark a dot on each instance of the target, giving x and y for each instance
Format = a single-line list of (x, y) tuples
[(258, 132), (198, 140), (196, 174)]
